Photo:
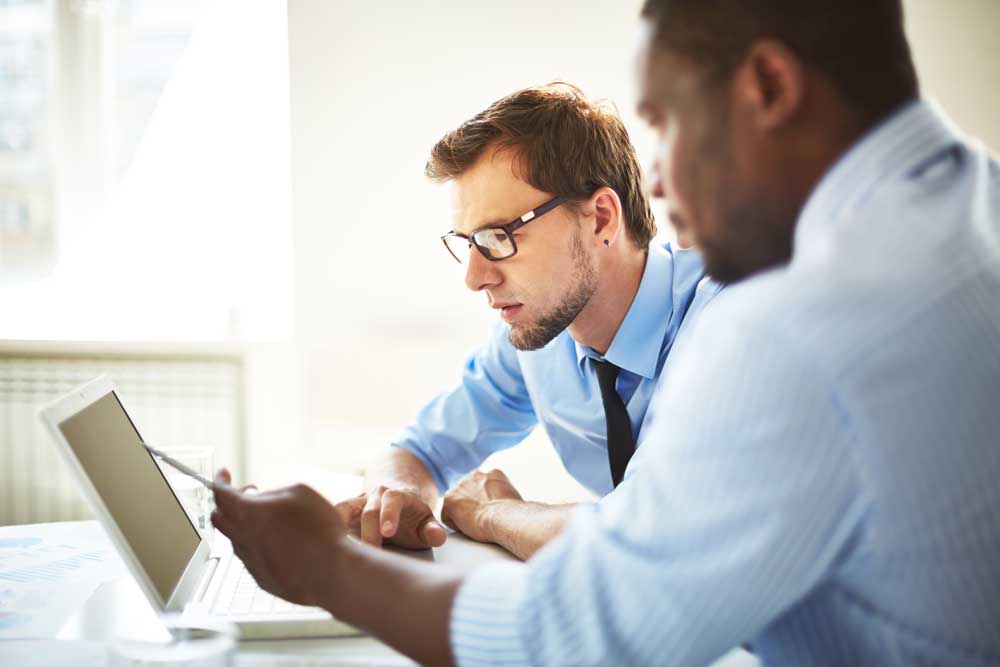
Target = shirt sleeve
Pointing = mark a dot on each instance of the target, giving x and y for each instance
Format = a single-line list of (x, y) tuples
[(489, 410), (740, 500)]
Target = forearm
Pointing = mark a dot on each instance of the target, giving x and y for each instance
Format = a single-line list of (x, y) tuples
[(523, 528), (396, 468), (402, 601)]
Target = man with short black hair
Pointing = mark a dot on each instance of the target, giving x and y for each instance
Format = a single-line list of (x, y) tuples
[(819, 473)]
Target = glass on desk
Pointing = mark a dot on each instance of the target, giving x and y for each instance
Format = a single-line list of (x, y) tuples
[(196, 500), (191, 643)]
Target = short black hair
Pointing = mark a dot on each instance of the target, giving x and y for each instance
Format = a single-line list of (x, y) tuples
[(858, 45)]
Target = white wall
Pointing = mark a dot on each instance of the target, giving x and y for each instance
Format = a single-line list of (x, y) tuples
[(382, 317), (957, 51)]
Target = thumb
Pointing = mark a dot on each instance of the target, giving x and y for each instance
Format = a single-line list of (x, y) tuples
[(432, 533), (227, 499)]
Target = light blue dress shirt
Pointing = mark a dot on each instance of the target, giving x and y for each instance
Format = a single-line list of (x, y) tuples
[(505, 393), (820, 470)]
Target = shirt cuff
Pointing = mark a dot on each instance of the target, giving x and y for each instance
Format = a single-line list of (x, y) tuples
[(485, 628)]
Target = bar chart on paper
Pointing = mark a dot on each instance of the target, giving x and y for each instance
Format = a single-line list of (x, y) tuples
[(29, 559), (44, 576)]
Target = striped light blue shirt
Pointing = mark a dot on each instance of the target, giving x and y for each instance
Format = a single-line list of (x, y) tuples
[(820, 473), (505, 393)]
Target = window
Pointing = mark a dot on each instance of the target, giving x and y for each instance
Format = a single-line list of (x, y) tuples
[(143, 170), (27, 239)]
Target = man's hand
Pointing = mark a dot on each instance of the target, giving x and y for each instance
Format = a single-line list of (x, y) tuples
[(286, 538), (392, 515), (466, 506), (295, 545)]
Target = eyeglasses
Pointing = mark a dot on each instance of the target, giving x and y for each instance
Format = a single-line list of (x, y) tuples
[(495, 243)]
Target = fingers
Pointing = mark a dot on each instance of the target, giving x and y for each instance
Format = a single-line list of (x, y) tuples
[(432, 533), (370, 515), (225, 524), (446, 513), (227, 499), (392, 507), (241, 552), (397, 516), (350, 509)]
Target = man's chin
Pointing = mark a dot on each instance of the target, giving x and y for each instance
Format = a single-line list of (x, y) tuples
[(528, 337), (719, 265), (525, 338), (724, 270)]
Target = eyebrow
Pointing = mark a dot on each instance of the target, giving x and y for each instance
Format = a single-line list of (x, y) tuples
[(496, 222), (487, 225), (493, 222), (527, 216)]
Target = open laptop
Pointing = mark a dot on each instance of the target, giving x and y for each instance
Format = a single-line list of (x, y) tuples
[(172, 563)]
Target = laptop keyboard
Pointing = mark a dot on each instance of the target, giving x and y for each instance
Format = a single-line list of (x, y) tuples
[(240, 595)]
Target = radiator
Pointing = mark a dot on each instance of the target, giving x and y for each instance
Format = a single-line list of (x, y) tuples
[(178, 396)]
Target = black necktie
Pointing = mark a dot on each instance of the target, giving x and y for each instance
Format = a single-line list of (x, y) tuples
[(620, 444)]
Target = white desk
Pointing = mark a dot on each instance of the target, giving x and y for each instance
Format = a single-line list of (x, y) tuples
[(117, 608)]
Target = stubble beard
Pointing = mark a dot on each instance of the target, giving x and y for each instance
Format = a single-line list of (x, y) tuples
[(536, 335)]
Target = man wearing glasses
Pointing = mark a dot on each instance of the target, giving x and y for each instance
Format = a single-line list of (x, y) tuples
[(552, 224)]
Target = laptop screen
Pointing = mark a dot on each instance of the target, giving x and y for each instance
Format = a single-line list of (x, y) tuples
[(134, 490)]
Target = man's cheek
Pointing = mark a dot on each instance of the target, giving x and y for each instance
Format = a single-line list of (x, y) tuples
[(682, 186)]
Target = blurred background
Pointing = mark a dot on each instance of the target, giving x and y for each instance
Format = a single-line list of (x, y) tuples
[(222, 205)]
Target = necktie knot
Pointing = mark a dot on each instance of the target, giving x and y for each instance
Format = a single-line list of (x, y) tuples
[(607, 374)]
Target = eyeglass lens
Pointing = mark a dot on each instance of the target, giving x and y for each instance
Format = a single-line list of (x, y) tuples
[(494, 242)]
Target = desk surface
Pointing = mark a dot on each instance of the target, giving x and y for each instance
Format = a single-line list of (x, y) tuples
[(117, 608)]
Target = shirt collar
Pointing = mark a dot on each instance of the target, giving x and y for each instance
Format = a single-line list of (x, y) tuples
[(638, 341), (914, 132)]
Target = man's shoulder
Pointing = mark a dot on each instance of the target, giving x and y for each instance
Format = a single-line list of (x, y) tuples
[(805, 307), (859, 280)]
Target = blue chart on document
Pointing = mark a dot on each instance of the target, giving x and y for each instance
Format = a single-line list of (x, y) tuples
[(45, 576)]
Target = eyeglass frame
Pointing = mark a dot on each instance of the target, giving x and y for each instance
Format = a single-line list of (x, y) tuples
[(509, 229)]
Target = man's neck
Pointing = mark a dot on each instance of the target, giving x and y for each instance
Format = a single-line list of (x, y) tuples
[(596, 325), (836, 129)]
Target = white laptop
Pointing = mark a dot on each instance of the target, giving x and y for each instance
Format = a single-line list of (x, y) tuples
[(174, 566)]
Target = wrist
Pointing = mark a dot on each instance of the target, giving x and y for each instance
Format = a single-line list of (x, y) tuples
[(489, 518), (344, 558)]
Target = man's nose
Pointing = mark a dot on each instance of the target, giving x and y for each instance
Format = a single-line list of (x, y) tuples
[(481, 273)]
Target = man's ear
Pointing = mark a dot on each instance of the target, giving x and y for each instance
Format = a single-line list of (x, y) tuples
[(609, 222), (769, 85)]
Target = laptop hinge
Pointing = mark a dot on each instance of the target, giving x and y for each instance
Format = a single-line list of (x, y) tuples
[(212, 564)]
